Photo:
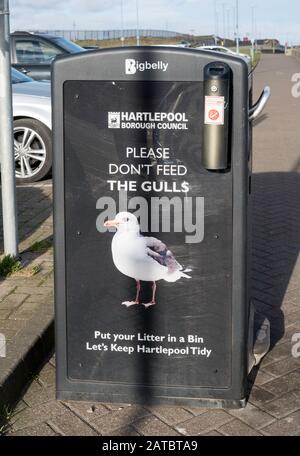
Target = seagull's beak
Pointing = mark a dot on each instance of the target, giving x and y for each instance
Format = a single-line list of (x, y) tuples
[(111, 223)]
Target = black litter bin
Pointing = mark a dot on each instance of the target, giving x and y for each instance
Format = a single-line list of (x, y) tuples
[(152, 173)]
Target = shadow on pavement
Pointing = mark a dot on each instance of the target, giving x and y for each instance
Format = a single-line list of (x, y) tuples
[(275, 239), (34, 207), (276, 242)]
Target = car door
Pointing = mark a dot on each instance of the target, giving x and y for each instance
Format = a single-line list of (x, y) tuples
[(33, 55)]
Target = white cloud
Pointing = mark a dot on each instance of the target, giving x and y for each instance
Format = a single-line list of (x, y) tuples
[(274, 17), (34, 4)]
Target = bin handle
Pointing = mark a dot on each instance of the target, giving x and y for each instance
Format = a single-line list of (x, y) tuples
[(258, 107)]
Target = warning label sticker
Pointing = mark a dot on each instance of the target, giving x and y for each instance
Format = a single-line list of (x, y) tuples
[(214, 110)]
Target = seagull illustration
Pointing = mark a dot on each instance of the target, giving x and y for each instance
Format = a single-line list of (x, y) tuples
[(141, 257)]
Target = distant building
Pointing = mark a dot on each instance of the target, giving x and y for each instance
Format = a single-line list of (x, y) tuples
[(245, 42), (267, 44), (211, 40), (208, 40)]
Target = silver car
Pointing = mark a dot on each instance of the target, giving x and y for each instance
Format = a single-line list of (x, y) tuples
[(32, 127), (225, 50)]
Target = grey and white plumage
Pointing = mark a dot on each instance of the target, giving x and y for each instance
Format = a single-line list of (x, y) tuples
[(140, 257)]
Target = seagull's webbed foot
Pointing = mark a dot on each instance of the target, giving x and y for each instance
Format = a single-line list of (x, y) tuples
[(152, 302), (129, 303), (149, 304)]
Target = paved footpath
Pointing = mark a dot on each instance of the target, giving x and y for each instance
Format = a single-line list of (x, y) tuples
[(274, 402)]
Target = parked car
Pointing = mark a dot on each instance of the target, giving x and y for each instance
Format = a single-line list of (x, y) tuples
[(32, 53), (184, 44), (224, 50), (280, 49), (91, 48), (32, 127)]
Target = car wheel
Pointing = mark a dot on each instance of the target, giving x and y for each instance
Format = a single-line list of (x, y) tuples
[(33, 150)]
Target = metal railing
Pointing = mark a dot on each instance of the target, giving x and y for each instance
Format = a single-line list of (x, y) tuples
[(75, 35)]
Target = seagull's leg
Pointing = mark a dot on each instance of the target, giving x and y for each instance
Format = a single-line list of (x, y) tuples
[(137, 296), (152, 303), (138, 289), (153, 292)]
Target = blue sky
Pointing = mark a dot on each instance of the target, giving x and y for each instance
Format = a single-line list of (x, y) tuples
[(273, 18)]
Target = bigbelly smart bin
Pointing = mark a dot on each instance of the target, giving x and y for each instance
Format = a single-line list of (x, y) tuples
[(152, 183)]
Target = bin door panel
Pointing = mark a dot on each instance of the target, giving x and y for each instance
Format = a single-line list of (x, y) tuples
[(184, 339)]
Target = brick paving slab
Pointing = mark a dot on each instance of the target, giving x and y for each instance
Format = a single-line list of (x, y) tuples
[(30, 343), (205, 422), (292, 318), (283, 384), (127, 431), (118, 418), (153, 426), (278, 353), (253, 416), (277, 368), (35, 415), (115, 406), (213, 434), (284, 405), (35, 431), (13, 301), (238, 428), (258, 396), (170, 415), (47, 376), (196, 410), (24, 301), (263, 376), (274, 401), (286, 426), (4, 314), (70, 424), (88, 411), (38, 394)]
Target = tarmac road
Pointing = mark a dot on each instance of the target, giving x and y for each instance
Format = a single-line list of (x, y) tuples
[(277, 132)]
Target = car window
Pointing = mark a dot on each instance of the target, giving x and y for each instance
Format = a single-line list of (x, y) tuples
[(34, 51), (17, 77), (69, 46)]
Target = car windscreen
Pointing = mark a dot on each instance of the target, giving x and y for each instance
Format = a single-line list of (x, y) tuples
[(18, 77), (69, 46)]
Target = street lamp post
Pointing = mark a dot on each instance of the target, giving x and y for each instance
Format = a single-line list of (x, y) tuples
[(8, 181), (228, 23), (74, 30), (216, 22), (253, 32), (122, 23), (224, 21), (137, 24), (237, 27)]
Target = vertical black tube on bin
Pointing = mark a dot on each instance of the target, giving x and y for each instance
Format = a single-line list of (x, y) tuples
[(217, 80), (134, 147)]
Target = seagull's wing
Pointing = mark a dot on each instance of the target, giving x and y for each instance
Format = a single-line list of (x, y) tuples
[(160, 253), (156, 250)]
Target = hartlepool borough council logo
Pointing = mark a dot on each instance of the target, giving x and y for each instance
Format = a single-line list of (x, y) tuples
[(114, 120)]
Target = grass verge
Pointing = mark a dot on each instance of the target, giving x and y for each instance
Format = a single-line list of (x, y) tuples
[(12, 266), (41, 246), (9, 265)]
